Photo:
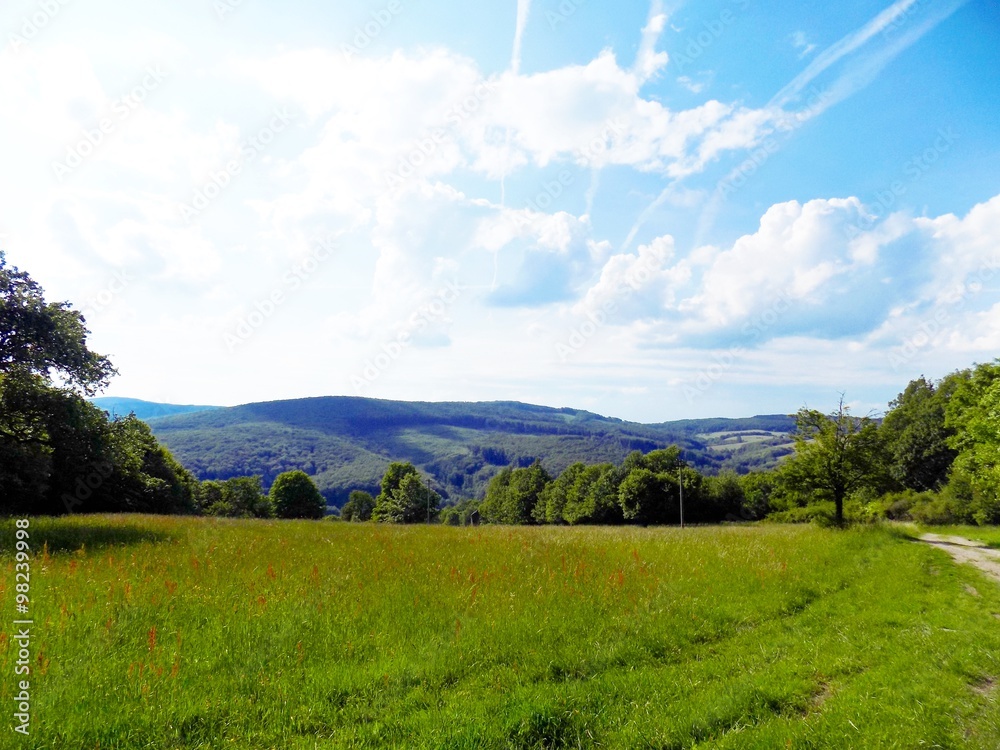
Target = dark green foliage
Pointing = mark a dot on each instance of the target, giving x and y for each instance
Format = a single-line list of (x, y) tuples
[(464, 513), (725, 495), (44, 339), (642, 497), (59, 453), (63, 455), (578, 495), (343, 442), (591, 497), (649, 491), (358, 507), (916, 437), (758, 489), (404, 497), (150, 479), (514, 496), (552, 505), (973, 412), (644, 490), (239, 497), (294, 495)]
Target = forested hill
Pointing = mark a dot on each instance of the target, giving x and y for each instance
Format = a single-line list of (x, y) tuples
[(346, 443)]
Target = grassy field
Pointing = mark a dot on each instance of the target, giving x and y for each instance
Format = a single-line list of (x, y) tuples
[(190, 633)]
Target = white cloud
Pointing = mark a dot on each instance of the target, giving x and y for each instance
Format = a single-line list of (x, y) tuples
[(906, 289), (648, 61), (695, 87), (802, 44)]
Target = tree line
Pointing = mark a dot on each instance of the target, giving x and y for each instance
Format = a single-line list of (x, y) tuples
[(934, 457)]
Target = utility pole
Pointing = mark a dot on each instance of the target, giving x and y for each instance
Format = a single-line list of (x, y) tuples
[(680, 483)]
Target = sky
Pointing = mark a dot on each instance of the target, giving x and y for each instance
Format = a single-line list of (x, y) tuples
[(651, 210)]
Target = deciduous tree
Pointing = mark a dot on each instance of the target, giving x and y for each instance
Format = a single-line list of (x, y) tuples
[(295, 495), (404, 497), (835, 455)]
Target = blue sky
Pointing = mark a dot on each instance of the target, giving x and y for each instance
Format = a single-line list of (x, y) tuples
[(653, 210)]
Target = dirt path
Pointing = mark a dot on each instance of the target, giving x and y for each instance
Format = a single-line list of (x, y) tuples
[(967, 551)]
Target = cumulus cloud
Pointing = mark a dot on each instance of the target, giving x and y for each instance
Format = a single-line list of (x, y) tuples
[(809, 271)]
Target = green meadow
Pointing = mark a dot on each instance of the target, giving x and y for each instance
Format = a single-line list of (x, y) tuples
[(166, 632)]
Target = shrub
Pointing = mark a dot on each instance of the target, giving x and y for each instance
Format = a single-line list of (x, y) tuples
[(820, 512)]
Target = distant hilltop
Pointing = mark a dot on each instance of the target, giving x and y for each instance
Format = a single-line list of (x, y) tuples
[(144, 410), (346, 443)]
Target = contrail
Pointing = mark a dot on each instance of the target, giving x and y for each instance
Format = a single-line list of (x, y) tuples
[(523, 11), (861, 72), (839, 49), (858, 74)]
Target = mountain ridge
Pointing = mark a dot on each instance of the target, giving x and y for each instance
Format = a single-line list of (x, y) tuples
[(122, 407), (346, 442)]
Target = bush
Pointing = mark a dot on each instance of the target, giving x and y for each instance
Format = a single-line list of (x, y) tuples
[(822, 512), (359, 507), (239, 497), (938, 510)]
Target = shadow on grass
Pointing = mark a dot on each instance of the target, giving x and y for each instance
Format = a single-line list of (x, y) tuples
[(66, 537)]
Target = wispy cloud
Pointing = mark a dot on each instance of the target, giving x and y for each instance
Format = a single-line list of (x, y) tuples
[(854, 41), (523, 11), (648, 61), (800, 100), (802, 43)]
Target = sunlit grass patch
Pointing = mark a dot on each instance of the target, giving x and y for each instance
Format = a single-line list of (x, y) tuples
[(178, 633)]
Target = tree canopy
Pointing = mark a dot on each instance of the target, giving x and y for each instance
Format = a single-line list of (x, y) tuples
[(835, 455), (404, 497), (294, 495), (58, 452), (45, 339)]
